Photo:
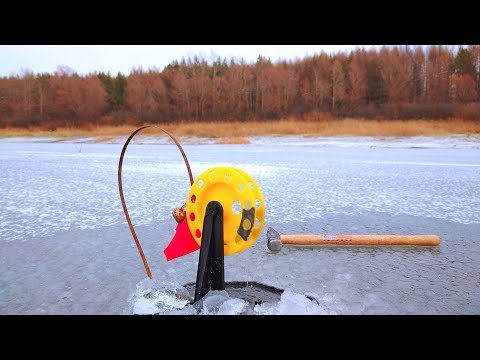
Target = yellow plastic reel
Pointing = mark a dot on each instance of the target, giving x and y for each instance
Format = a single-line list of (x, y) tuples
[(241, 199)]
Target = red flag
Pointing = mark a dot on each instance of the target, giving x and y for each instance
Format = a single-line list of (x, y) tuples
[(182, 242)]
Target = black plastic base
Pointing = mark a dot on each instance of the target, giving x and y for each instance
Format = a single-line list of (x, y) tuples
[(252, 292)]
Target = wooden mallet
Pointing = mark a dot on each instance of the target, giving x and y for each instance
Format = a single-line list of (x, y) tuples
[(275, 241)]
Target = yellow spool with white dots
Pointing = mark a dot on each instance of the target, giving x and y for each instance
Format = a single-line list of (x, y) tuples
[(242, 202)]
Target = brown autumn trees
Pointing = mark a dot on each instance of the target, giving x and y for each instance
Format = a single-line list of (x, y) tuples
[(146, 95), (61, 99), (75, 100), (392, 82)]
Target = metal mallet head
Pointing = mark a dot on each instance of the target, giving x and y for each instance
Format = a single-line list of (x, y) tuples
[(274, 242)]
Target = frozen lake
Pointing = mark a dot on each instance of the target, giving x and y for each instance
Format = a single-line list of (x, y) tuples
[(65, 246)]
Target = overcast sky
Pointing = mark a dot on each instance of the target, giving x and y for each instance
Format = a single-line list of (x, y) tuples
[(114, 58)]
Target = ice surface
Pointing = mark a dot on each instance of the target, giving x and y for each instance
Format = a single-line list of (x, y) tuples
[(65, 247), (73, 186)]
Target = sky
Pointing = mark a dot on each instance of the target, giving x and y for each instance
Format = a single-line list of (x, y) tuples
[(83, 59)]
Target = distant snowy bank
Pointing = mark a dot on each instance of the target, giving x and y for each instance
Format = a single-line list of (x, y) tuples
[(437, 142)]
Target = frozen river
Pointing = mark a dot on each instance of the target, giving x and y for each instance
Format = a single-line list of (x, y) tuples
[(65, 246)]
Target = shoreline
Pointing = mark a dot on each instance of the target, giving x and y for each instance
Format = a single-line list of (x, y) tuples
[(455, 141), (238, 132)]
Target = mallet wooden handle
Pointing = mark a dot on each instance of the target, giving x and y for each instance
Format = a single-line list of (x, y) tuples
[(419, 240)]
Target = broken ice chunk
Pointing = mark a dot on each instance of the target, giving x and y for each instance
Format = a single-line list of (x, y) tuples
[(232, 307)]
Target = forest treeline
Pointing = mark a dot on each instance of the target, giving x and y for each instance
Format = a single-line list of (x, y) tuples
[(434, 82)]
